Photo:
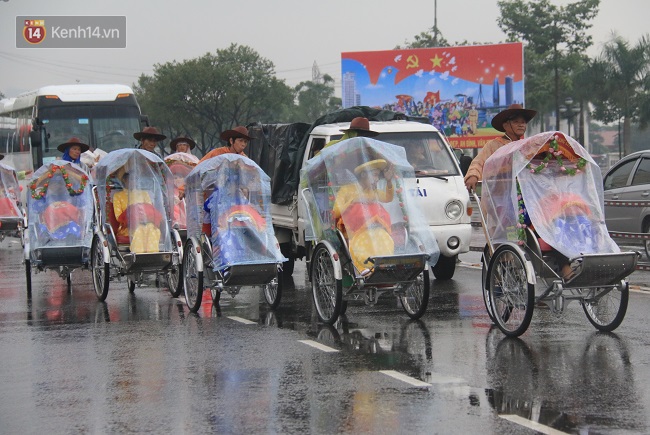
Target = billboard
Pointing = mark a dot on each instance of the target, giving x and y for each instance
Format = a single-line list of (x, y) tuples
[(459, 89)]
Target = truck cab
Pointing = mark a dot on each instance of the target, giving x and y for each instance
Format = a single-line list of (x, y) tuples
[(438, 189)]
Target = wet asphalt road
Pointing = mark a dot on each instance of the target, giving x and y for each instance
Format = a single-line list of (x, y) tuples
[(142, 363)]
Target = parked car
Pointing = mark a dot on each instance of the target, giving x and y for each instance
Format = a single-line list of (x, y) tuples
[(629, 180)]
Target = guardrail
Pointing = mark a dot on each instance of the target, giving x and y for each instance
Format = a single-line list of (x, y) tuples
[(613, 234)]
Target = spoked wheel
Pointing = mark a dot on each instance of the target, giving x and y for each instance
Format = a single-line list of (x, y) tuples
[(416, 296), (28, 276), (175, 282), (606, 308), (192, 278), (273, 291), (100, 269), (485, 261), (511, 297), (130, 282), (326, 289)]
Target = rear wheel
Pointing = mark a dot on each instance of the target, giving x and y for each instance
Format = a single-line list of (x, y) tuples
[(326, 289), (445, 267), (174, 280), (28, 276), (606, 308), (416, 296), (287, 266), (273, 291), (192, 278), (511, 296), (100, 269), (485, 261), (130, 282)]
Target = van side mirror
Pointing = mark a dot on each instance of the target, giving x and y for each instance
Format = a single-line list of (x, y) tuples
[(144, 120)]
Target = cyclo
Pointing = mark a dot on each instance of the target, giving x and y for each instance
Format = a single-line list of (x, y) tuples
[(60, 209), (547, 244), (368, 236), (235, 246), (13, 219), (180, 165), (134, 236)]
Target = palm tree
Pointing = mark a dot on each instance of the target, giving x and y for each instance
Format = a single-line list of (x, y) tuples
[(623, 92)]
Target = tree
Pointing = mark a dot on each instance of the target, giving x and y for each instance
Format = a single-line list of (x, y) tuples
[(621, 88), (316, 99), (428, 39), (204, 96), (555, 36)]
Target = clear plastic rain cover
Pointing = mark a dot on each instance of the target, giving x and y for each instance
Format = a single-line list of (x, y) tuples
[(233, 195), (60, 207), (550, 182), (9, 194), (180, 164), (135, 190), (357, 186)]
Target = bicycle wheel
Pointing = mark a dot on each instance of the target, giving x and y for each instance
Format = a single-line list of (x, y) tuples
[(28, 276), (416, 296), (273, 291), (100, 269), (485, 261), (192, 278), (326, 289), (606, 307), (174, 280), (511, 296)]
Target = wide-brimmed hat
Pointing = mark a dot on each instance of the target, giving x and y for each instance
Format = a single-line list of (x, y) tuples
[(369, 166), (150, 132), (362, 126), (511, 112), (239, 131), (73, 141), (182, 139)]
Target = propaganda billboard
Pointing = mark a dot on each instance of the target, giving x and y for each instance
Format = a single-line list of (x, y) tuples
[(459, 89)]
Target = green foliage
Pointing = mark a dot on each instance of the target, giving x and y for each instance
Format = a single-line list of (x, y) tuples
[(556, 40), (204, 96), (621, 89), (428, 39), (315, 99)]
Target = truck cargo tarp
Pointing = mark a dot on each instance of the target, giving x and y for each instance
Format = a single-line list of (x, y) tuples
[(279, 148)]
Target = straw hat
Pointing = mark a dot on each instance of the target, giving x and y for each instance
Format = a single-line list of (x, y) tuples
[(369, 166)]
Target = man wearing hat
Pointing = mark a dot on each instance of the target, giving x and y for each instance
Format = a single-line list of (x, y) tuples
[(359, 126), (512, 122), (148, 138), (237, 140)]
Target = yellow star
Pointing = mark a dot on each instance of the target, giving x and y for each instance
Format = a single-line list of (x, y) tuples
[(436, 61)]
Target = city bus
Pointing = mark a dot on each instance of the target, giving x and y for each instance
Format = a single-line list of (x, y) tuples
[(34, 123)]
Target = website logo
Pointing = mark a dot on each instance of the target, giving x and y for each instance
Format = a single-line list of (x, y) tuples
[(34, 31)]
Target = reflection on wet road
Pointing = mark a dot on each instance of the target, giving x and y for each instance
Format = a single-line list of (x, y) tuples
[(142, 363)]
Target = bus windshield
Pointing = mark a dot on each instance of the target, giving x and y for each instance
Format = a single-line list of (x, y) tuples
[(108, 127)]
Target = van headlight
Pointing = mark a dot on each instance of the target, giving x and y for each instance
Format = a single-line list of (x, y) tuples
[(454, 209)]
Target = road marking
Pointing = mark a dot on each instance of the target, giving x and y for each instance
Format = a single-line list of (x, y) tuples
[(532, 425), (242, 320), (402, 377), (317, 345)]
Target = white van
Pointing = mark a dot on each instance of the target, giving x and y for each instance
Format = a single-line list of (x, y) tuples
[(439, 188)]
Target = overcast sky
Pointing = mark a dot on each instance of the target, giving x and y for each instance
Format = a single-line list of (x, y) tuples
[(293, 34)]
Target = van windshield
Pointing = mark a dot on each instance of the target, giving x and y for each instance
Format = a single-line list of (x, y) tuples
[(425, 151)]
